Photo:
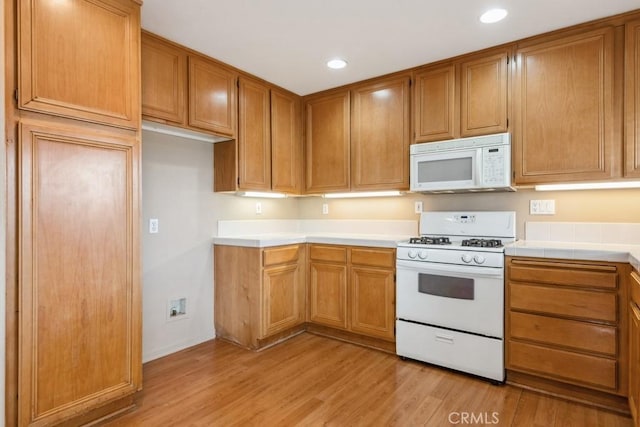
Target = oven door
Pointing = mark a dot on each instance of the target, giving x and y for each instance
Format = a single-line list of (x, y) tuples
[(458, 297), (442, 171)]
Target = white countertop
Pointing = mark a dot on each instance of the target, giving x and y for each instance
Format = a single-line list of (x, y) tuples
[(251, 233), (575, 250), (279, 239)]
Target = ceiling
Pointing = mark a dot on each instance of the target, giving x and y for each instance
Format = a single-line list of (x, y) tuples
[(288, 42)]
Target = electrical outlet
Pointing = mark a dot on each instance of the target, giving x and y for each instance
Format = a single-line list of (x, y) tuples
[(542, 207), (417, 207), (154, 226), (258, 208), (325, 209)]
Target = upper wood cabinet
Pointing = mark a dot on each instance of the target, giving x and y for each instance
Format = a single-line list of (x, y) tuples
[(212, 97), (327, 142), (184, 89), (436, 114), (380, 135), (164, 80), (286, 142), (254, 136), (632, 100), (564, 101), (79, 322), (358, 139), (268, 152), (68, 68), (466, 97), (483, 93)]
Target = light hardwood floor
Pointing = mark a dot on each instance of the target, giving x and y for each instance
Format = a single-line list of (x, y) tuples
[(311, 380)]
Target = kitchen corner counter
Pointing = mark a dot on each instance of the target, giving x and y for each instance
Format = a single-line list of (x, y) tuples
[(577, 251), (270, 240), (251, 233)]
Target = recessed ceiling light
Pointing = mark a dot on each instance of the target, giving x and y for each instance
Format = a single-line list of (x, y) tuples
[(337, 63), (493, 15)]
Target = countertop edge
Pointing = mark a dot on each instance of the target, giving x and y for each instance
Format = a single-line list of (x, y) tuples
[(275, 240), (576, 251)]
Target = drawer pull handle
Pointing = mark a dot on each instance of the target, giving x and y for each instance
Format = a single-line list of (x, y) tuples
[(445, 339)]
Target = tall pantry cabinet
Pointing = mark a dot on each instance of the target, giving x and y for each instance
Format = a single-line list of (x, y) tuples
[(73, 160)]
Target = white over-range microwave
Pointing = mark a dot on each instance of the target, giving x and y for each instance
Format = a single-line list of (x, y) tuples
[(480, 163)]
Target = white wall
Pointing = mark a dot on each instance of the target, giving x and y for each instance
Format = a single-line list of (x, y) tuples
[(177, 189), (177, 262), (571, 206)]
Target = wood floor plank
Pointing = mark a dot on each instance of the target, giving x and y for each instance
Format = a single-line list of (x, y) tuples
[(311, 381)]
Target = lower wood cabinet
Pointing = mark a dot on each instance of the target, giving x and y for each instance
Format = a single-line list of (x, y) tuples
[(566, 323), (79, 307), (265, 295), (353, 289), (259, 293), (634, 346)]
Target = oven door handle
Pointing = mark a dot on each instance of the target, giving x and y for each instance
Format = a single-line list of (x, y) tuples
[(468, 271)]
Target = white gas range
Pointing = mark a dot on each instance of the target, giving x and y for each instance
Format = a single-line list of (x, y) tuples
[(450, 291)]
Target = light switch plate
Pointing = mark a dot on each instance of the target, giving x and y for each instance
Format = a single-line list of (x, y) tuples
[(417, 207), (154, 226), (542, 207), (258, 208)]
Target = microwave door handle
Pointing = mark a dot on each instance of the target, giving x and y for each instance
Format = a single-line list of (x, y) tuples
[(478, 166)]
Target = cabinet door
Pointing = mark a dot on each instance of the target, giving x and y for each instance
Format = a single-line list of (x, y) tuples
[(634, 362), (79, 308), (435, 107), (564, 105), (632, 99), (68, 68), (164, 80), (212, 97), (380, 126), (254, 136), (328, 294), (483, 94), (286, 143), (373, 302), (283, 292), (327, 143)]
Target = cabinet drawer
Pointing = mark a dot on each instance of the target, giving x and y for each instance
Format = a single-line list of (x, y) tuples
[(373, 257), (280, 255), (568, 333), (634, 285), (328, 253), (592, 276), (566, 302), (577, 368)]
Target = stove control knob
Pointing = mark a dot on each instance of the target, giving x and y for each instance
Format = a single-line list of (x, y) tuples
[(479, 259), (422, 254), (412, 253), (466, 258)]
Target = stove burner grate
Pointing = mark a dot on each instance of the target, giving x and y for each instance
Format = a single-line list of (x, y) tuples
[(483, 243), (426, 240)]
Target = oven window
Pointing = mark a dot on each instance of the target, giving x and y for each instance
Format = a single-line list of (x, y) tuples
[(446, 286), (445, 170)]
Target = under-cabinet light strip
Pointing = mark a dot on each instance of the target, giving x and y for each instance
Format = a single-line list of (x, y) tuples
[(261, 194), (588, 186), (362, 194)]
